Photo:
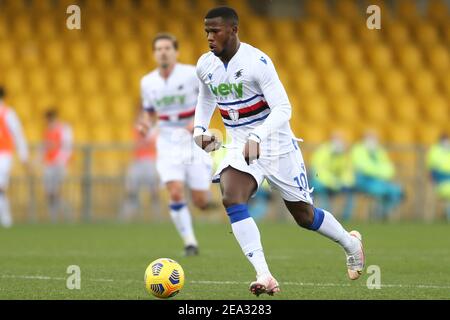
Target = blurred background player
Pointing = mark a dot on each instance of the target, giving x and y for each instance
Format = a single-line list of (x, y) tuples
[(142, 174), (332, 173), (169, 96), (11, 137), (438, 163), (375, 174), (57, 152)]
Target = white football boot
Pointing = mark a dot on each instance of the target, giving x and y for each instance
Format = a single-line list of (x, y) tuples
[(264, 284), (355, 262)]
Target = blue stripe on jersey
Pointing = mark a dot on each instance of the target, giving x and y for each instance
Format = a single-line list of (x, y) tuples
[(246, 123), (240, 101)]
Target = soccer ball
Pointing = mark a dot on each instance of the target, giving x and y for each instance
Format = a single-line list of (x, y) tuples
[(164, 278)]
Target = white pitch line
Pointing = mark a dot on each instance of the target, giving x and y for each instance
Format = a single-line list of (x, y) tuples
[(287, 283)]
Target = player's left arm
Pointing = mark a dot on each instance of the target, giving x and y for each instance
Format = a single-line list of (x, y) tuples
[(277, 99), (15, 127)]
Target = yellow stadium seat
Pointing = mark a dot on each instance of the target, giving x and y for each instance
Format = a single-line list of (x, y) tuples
[(241, 7), (400, 134), (70, 109), (294, 56), (437, 11), (345, 109), (307, 81), (310, 132), (114, 81), (427, 34), (124, 6), (46, 27), (284, 30), (96, 28), (340, 32), (123, 29), (351, 56), (30, 54), (7, 54), (63, 82), (428, 133), (335, 81), (437, 110), (375, 109), (21, 27), (14, 6), (397, 33), (54, 54), (95, 110), (410, 58), (381, 57), (101, 133), (257, 30), (364, 81), (317, 9), (423, 83), (14, 82), (322, 55), (105, 54), (348, 9), (439, 59), (130, 54), (407, 10), (88, 81), (80, 54), (393, 81), (314, 109), (405, 109), (38, 82), (311, 31)]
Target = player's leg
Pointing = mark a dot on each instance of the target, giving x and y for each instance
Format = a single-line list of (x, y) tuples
[(237, 188), (181, 216), (290, 177), (152, 183), (51, 192), (5, 213)]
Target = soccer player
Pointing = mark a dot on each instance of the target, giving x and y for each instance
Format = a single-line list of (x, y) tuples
[(255, 109), (169, 96), (57, 152), (11, 137), (142, 174)]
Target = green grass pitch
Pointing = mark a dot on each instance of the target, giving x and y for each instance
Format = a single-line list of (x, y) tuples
[(414, 260)]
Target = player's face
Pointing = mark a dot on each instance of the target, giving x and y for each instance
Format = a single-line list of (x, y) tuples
[(165, 53), (220, 35)]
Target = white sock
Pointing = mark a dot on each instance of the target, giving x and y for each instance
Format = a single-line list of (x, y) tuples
[(181, 217), (5, 214), (332, 229), (247, 234)]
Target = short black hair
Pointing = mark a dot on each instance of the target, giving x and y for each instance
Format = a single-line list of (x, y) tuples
[(2, 92), (166, 36), (51, 113), (225, 13)]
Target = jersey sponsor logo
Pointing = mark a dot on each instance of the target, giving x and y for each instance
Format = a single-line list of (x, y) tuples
[(170, 100), (225, 89)]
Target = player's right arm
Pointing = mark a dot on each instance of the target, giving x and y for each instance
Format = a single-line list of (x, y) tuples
[(148, 117), (206, 104), (15, 127)]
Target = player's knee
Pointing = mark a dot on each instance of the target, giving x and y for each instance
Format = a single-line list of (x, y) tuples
[(200, 202), (230, 199)]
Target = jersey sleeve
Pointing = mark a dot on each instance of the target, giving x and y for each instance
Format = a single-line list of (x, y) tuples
[(146, 99), (20, 142), (206, 103), (275, 94)]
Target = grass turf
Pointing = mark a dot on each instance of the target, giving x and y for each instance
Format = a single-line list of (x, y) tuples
[(414, 261)]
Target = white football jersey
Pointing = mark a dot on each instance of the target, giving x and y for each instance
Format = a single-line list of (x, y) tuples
[(246, 90), (174, 99)]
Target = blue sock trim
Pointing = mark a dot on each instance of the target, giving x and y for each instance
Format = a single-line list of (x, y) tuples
[(318, 219), (177, 206), (238, 212)]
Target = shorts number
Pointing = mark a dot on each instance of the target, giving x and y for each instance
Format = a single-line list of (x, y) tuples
[(302, 181)]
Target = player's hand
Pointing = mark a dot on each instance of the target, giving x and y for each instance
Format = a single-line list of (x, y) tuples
[(251, 151), (144, 123), (208, 142)]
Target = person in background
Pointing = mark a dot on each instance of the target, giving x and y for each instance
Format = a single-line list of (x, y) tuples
[(57, 152), (333, 174), (375, 174), (438, 164), (11, 138), (141, 174)]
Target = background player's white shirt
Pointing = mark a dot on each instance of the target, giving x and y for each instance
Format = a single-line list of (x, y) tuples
[(15, 127), (250, 97), (174, 99)]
